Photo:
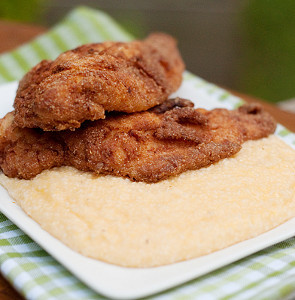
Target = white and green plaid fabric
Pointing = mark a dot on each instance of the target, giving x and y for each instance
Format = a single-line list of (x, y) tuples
[(268, 274)]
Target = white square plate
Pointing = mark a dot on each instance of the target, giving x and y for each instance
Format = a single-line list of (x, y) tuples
[(129, 283)]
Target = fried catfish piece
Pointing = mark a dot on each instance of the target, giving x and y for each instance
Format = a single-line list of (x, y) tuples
[(154, 145), (83, 83), (146, 146), (26, 152)]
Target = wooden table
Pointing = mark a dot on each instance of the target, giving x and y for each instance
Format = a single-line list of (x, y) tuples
[(14, 34)]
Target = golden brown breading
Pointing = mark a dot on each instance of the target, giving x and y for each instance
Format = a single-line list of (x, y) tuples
[(83, 83), (26, 152), (146, 146)]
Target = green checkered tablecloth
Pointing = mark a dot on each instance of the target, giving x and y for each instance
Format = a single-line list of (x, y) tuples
[(268, 274)]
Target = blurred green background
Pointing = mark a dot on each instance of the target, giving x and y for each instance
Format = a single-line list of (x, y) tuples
[(268, 55), (248, 46), (31, 11)]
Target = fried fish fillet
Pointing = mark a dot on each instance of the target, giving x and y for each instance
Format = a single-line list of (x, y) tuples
[(83, 83), (146, 146)]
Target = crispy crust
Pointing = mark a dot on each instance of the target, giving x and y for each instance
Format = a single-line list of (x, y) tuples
[(147, 146), (83, 83)]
